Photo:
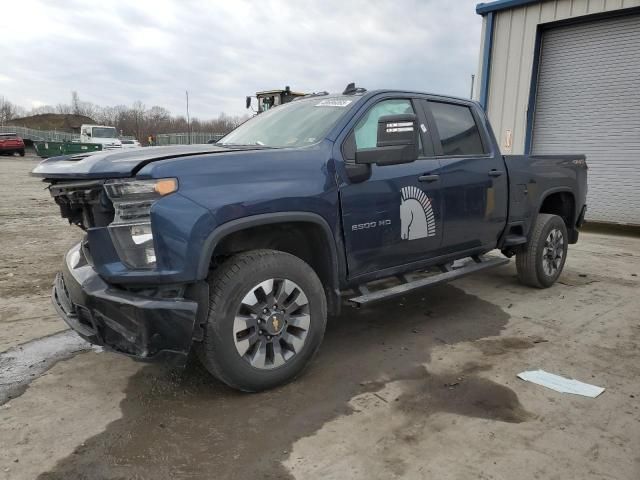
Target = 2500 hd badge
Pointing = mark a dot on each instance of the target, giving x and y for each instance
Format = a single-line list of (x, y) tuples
[(367, 225)]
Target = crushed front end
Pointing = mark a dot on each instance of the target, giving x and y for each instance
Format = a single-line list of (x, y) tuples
[(114, 290), (141, 326)]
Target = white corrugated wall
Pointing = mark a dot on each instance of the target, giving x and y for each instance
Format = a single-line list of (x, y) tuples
[(512, 59), (588, 101)]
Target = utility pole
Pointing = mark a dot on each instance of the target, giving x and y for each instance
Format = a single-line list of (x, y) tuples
[(473, 78), (188, 121)]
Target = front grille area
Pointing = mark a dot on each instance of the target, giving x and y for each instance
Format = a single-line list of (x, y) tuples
[(84, 204)]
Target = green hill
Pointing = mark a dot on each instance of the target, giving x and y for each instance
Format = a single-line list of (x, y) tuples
[(53, 121)]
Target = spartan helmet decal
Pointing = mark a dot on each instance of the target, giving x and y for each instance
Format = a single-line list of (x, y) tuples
[(416, 214)]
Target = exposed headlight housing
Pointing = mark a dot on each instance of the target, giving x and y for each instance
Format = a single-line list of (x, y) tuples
[(131, 227)]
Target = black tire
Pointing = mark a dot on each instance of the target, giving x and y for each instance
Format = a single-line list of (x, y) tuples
[(21, 152), (538, 263), (228, 285)]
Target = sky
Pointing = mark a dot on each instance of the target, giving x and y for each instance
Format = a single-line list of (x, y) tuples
[(119, 51)]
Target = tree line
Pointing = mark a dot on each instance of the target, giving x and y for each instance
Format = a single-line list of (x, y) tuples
[(136, 120)]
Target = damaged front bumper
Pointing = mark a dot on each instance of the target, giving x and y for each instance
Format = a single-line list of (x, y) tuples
[(146, 328)]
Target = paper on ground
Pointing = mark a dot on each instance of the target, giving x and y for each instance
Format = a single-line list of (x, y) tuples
[(561, 384)]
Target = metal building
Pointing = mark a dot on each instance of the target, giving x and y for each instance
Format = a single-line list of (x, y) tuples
[(563, 76)]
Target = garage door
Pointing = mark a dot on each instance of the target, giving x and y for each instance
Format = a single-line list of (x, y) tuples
[(588, 101)]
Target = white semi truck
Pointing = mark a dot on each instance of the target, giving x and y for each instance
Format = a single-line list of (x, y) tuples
[(102, 134)]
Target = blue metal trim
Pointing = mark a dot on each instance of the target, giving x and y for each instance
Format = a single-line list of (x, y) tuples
[(486, 60), (533, 90), (484, 8)]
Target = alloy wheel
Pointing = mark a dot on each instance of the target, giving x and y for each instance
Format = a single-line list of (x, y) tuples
[(271, 325), (553, 252)]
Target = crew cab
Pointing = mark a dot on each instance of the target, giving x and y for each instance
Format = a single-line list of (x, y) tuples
[(11, 143), (240, 249)]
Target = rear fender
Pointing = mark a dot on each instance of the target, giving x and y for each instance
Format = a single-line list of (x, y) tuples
[(572, 227)]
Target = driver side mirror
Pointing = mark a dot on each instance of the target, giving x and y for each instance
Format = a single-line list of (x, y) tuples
[(248, 102), (397, 141)]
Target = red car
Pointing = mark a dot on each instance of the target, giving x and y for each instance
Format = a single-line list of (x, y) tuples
[(11, 143)]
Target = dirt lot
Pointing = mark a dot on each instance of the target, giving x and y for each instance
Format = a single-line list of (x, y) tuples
[(33, 239), (422, 387)]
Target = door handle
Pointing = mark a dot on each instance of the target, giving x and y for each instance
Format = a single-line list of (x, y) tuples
[(428, 178), (495, 173)]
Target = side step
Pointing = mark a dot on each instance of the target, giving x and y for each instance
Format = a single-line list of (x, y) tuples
[(449, 272)]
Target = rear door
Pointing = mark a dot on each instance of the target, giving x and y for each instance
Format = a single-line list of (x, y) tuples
[(392, 216), (473, 176)]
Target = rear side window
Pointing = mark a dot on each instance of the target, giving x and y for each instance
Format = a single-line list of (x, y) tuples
[(458, 130)]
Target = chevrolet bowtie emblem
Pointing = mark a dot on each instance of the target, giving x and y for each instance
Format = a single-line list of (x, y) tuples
[(275, 322)]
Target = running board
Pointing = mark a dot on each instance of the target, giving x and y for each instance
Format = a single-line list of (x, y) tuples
[(449, 272)]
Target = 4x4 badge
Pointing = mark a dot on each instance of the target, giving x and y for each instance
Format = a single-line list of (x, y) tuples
[(416, 214)]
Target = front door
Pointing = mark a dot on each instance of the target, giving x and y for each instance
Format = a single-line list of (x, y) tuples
[(394, 216), (473, 178)]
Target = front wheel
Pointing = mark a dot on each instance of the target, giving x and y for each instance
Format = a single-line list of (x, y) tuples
[(542, 260), (267, 317), (21, 152)]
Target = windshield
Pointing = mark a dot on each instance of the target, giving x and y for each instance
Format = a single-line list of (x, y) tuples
[(104, 132), (295, 124)]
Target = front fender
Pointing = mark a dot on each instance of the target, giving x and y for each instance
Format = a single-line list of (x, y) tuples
[(180, 229), (221, 231)]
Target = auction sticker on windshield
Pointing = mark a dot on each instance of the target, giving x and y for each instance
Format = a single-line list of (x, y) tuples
[(333, 102)]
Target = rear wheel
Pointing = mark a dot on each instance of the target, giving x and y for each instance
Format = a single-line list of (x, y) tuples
[(542, 260), (267, 317), (21, 152)]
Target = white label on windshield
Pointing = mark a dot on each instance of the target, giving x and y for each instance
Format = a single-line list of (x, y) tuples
[(333, 102)]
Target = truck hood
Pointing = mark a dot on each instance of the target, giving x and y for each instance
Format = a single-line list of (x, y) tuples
[(119, 164)]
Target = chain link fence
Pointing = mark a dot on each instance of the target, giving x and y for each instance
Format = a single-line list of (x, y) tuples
[(56, 136), (183, 138), (40, 135), (46, 135)]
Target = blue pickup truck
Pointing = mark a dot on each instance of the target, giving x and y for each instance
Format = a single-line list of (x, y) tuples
[(240, 249)]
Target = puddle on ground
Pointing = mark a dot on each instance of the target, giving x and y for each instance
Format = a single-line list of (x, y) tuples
[(502, 345), (572, 278), (22, 364), (184, 424), (463, 393)]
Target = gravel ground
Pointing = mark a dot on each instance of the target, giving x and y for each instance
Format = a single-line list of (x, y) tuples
[(33, 237), (420, 387)]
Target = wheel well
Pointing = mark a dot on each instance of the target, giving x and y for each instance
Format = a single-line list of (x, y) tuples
[(561, 204), (305, 240)]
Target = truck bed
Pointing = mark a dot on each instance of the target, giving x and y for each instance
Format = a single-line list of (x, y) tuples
[(533, 178)]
